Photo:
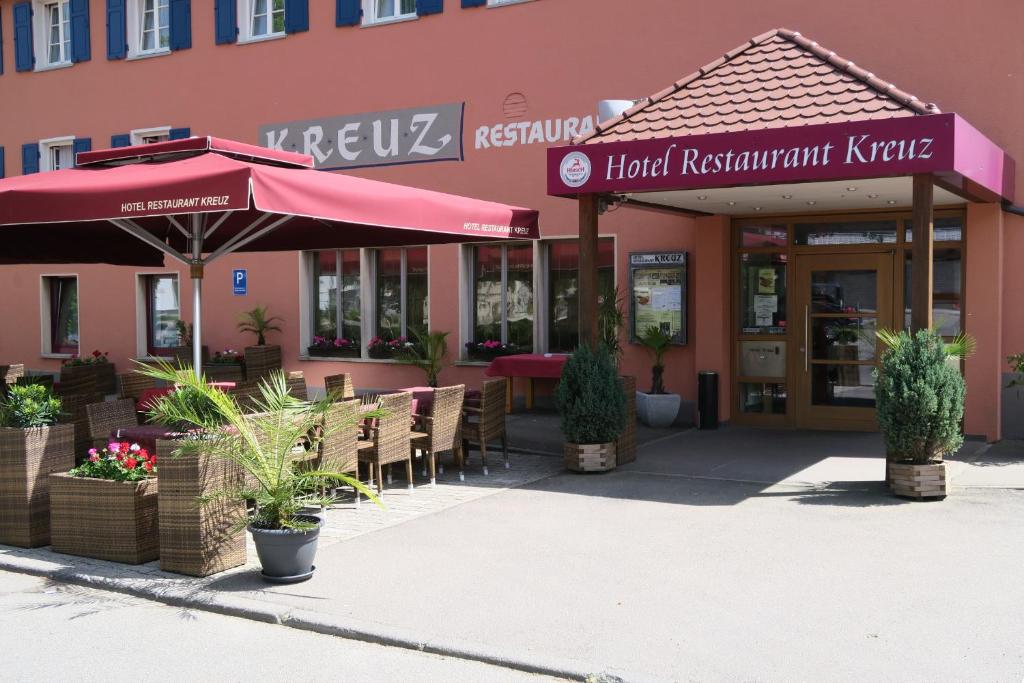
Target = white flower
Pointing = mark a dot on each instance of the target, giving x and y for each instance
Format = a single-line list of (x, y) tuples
[(136, 447)]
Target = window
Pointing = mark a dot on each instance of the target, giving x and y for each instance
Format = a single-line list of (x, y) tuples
[(262, 18), (149, 30), (162, 314), (57, 27), (336, 296), (56, 153), (401, 300), (60, 314), (147, 136), (502, 302), (388, 10), (563, 285)]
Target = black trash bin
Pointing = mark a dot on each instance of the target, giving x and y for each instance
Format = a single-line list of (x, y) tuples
[(707, 399)]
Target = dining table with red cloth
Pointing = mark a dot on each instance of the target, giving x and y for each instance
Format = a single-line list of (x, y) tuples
[(528, 365)]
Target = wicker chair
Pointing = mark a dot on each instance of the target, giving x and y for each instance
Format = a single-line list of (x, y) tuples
[(11, 373), (134, 383), (296, 382), (339, 449), (389, 440), (76, 384), (441, 428), (107, 416), (73, 411), (485, 423), (340, 385), (246, 394)]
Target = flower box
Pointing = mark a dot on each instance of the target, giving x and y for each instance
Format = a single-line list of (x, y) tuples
[(224, 372), (489, 350), (27, 459), (198, 539), (387, 348), (102, 371), (260, 361), (909, 480), (597, 457), (104, 519)]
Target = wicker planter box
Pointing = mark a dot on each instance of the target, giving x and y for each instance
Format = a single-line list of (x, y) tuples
[(198, 539), (918, 481), (104, 519), (260, 361), (598, 457), (183, 355), (104, 373), (625, 446), (224, 372), (27, 459)]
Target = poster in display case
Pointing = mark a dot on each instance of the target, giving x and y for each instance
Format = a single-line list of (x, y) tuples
[(657, 286)]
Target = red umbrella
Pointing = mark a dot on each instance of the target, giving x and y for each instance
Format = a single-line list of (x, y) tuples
[(199, 199)]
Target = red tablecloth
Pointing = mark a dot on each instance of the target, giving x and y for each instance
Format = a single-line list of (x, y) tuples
[(144, 435), (528, 365)]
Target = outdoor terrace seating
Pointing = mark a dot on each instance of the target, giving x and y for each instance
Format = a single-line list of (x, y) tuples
[(340, 385), (486, 423), (389, 439), (106, 417), (440, 429), (134, 384)]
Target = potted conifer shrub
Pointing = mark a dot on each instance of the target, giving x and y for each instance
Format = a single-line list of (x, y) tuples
[(657, 407), (32, 447), (263, 358), (920, 395), (262, 445), (592, 407)]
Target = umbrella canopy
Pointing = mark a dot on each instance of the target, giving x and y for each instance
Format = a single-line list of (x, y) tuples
[(130, 206), (199, 199)]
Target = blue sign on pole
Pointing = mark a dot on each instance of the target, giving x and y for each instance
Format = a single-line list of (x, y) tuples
[(240, 282)]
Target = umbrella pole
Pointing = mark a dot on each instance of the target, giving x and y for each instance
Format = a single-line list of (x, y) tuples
[(196, 269)]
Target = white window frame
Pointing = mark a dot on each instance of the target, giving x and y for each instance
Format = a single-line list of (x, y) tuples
[(41, 34), (45, 320), (307, 270), (370, 17), (467, 286), (141, 314), (245, 22), (139, 135), (404, 292), (135, 28), (46, 148)]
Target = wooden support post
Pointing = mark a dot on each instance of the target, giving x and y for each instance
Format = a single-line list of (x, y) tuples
[(587, 293), (921, 253)]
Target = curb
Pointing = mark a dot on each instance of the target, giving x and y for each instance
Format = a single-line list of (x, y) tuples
[(304, 620)]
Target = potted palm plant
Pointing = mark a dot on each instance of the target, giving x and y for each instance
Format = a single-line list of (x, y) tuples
[(428, 354), (263, 446), (592, 407), (657, 408), (920, 395), (32, 446), (263, 358)]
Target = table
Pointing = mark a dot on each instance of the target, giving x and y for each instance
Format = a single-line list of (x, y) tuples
[(145, 435), (529, 365)]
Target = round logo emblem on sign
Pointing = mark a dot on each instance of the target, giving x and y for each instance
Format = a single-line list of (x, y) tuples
[(575, 169)]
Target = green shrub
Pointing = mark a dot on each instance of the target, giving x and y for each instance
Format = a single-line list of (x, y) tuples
[(920, 395), (31, 405), (590, 398)]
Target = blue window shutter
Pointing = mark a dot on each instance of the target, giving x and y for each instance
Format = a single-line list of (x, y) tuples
[(348, 12), (81, 47), (296, 16), (179, 133), (24, 57), (3, 165), (424, 7), (121, 140), (30, 158), (117, 30), (1, 47), (80, 145), (181, 24), (225, 14), (474, 3)]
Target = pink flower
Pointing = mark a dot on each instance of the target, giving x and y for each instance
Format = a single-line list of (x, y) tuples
[(93, 451), (94, 457), (113, 447)]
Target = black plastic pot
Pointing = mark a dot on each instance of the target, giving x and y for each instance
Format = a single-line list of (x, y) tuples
[(287, 556)]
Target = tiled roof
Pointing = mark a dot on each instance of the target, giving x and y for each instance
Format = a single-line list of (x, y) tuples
[(775, 80)]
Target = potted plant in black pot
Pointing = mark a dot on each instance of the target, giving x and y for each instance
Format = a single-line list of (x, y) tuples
[(263, 446), (263, 358), (32, 446), (920, 396), (592, 407), (657, 408)]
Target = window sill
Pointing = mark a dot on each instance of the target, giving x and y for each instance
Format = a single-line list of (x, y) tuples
[(262, 39), (54, 67), (472, 363), (134, 57), (57, 356), (390, 20), (502, 3)]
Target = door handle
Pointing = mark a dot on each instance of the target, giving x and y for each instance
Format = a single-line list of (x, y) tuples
[(807, 346)]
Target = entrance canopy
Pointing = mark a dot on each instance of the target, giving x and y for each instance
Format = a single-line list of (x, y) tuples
[(132, 205), (781, 111)]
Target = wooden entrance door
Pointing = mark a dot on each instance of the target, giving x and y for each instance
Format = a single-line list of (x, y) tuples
[(841, 301)]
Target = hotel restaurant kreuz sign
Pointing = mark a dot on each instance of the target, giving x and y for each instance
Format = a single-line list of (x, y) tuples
[(943, 144)]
